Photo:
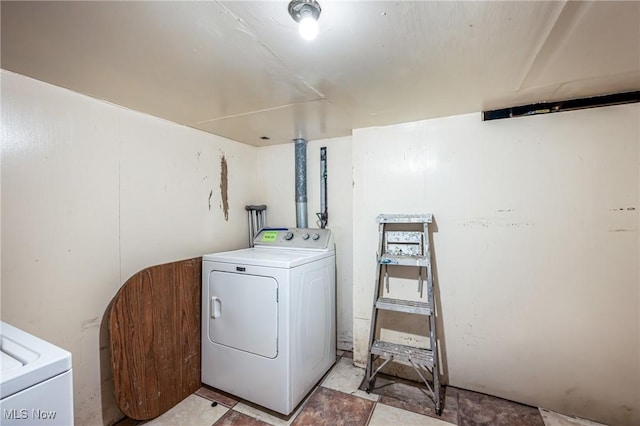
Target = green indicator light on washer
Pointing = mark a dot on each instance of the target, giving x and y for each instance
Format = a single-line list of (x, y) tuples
[(269, 236)]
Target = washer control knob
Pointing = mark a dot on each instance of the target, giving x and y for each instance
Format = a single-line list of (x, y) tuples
[(315, 236), (288, 236), (305, 236)]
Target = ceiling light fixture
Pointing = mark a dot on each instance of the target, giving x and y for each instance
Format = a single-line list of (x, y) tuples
[(306, 13)]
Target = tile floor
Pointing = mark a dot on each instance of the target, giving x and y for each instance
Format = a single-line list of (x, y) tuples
[(337, 400)]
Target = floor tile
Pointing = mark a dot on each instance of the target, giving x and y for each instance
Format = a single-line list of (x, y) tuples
[(475, 409), (412, 396), (235, 418), (345, 377), (385, 415), (333, 408), (218, 396), (551, 418), (267, 416), (192, 411)]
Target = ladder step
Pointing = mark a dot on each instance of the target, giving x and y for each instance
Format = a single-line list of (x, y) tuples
[(403, 260), (409, 306), (403, 353), (405, 218)]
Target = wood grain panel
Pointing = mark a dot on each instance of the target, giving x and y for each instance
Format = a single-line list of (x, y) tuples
[(154, 327)]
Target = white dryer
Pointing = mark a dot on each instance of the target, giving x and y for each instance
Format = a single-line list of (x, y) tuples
[(268, 317)]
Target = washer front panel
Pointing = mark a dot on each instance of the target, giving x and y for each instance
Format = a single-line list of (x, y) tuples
[(243, 312)]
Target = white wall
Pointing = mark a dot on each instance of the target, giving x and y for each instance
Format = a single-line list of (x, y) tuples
[(536, 250), (92, 193), (276, 188)]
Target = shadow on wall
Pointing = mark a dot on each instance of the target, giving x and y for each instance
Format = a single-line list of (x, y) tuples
[(151, 327), (111, 414)]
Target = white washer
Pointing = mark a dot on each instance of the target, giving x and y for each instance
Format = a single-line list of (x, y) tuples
[(36, 383), (268, 317)]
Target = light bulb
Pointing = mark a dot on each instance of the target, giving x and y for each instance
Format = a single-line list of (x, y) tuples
[(308, 27)]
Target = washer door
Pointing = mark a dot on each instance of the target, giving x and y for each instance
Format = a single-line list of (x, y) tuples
[(243, 312)]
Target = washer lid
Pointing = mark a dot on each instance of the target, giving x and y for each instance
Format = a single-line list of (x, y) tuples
[(269, 257), (27, 360)]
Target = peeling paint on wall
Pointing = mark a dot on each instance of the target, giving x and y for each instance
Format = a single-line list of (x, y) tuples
[(89, 323), (224, 186)]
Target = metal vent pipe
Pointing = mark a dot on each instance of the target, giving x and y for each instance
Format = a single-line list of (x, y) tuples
[(301, 182)]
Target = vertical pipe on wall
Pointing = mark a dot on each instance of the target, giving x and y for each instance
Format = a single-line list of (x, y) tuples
[(323, 216), (301, 182)]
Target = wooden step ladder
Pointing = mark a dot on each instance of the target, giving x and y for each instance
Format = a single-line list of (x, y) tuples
[(408, 248)]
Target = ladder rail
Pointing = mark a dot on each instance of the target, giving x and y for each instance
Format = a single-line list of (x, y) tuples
[(435, 372), (374, 316), (430, 293)]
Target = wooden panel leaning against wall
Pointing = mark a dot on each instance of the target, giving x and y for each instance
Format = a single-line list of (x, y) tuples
[(154, 331)]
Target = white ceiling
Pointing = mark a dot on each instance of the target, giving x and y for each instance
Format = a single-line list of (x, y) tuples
[(239, 68)]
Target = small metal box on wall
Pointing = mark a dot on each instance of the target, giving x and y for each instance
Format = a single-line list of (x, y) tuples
[(403, 243)]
